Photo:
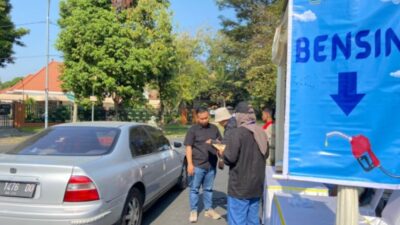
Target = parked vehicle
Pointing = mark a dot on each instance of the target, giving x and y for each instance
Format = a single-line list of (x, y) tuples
[(99, 173)]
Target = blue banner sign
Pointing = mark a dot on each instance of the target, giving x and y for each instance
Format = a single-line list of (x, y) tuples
[(343, 92)]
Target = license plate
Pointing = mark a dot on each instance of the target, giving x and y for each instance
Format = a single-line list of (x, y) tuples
[(17, 189)]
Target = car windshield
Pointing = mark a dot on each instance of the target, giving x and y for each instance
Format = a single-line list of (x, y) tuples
[(70, 141)]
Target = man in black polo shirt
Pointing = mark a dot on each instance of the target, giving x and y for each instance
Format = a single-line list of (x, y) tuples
[(202, 160)]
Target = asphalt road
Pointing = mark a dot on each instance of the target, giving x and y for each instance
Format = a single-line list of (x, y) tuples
[(173, 207)]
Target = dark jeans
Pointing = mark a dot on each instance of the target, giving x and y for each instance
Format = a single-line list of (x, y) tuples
[(203, 178), (243, 211)]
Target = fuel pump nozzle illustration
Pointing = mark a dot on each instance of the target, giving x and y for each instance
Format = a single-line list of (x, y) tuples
[(362, 151)]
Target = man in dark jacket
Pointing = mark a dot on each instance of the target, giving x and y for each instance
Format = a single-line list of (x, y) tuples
[(224, 118), (246, 152)]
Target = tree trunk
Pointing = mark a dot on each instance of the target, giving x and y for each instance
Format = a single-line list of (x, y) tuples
[(183, 113), (161, 110), (116, 108)]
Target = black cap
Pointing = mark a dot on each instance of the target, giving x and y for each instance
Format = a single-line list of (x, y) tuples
[(243, 107)]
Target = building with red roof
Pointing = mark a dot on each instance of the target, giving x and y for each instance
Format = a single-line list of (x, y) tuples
[(33, 86)]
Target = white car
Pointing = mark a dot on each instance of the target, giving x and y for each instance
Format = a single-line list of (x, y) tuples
[(101, 173)]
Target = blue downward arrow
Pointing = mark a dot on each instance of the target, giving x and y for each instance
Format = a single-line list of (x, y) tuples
[(347, 97)]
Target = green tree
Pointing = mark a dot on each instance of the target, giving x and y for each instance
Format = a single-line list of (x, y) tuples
[(154, 21), (227, 79), (9, 35), (114, 53), (251, 33), (260, 70), (10, 83), (191, 74)]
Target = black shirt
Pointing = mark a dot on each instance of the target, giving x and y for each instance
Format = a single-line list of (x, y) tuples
[(246, 164), (203, 154)]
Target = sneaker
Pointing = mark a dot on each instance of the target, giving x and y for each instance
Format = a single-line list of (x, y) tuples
[(212, 214), (193, 217)]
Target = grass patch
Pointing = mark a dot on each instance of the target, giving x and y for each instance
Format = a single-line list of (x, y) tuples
[(30, 129), (175, 130)]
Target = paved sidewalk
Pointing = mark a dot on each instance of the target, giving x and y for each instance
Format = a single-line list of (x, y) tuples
[(9, 132), (10, 137)]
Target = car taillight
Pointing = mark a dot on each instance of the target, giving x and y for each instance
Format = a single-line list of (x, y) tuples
[(81, 189)]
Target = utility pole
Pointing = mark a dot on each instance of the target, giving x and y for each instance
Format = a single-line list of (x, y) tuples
[(46, 89), (93, 98), (92, 103)]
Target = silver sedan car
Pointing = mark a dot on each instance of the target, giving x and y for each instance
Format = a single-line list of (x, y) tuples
[(101, 173)]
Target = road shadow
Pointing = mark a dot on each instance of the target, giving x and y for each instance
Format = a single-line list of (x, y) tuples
[(160, 206), (220, 200), (167, 200)]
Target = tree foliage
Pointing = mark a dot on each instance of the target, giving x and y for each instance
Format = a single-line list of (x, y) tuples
[(227, 86), (191, 74), (155, 19), (251, 34), (204, 71), (10, 83), (115, 53), (9, 35), (260, 70)]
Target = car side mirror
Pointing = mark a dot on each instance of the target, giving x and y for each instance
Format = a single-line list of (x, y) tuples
[(177, 144)]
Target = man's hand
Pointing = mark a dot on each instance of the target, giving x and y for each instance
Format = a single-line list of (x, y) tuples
[(208, 141), (190, 169)]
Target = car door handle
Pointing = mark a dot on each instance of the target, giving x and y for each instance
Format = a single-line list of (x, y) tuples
[(145, 166)]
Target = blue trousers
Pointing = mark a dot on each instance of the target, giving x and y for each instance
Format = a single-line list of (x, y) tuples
[(243, 211), (203, 178)]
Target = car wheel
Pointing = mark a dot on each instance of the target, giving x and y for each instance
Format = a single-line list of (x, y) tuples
[(183, 179), (133, 209)]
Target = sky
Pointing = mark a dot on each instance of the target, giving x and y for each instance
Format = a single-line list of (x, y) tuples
[(188, 16)]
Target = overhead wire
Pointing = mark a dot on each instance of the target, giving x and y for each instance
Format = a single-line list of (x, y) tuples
[(28, 23), (31, 56), (23, 24)]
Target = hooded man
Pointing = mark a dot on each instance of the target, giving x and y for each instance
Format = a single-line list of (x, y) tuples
[(224, 118), (245, 154)]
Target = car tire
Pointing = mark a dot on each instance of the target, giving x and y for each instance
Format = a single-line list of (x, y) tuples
[(132, 213), (183, 178)]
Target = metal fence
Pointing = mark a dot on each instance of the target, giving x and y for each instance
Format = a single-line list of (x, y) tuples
[(34, 113), (6, 115), (6, 121), (62, 113), (125, 114)]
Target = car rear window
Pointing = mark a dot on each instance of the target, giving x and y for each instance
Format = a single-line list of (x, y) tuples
[(71, 141)]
